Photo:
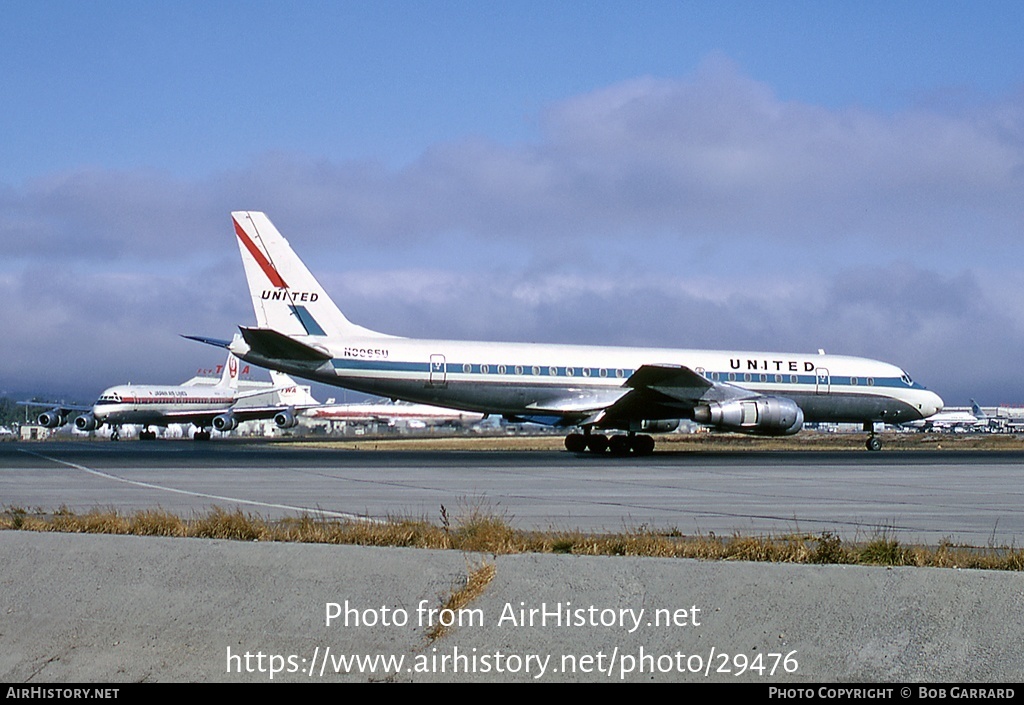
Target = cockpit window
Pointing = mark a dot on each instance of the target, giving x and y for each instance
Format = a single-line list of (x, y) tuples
[(906, 380)]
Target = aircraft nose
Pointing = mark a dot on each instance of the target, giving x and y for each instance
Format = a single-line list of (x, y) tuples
[(932, 405)]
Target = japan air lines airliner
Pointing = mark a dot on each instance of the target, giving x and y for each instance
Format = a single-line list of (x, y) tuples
[(201, 405), (593, 389)]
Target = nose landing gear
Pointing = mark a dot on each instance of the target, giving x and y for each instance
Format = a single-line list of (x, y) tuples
[(873, 442)]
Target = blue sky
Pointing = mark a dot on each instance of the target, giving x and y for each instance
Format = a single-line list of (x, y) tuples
[(785, 175)]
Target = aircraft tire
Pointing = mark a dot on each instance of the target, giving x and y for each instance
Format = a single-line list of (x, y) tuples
[(873, 443), (597, 443), (619, 445), (575, 443), (643, 445)]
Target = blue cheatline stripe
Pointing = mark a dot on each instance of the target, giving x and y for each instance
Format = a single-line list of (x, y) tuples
[(456, 369), (381, 365), (526, 372), (492, 370), (307, 320)]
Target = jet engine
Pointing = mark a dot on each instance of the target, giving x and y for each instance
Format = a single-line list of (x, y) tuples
[(225, 422), (660, 426), (86, 422), (286, 419), (768, 416), (52, 418)]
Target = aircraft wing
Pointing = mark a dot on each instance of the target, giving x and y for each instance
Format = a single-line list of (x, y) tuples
[(652, 392), (56, 406), (581, 402), (56, 413), (238, 413), (245, 413), (683, 384)]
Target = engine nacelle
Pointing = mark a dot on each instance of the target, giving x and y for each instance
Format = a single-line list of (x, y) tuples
[(768, 416), (86, 422), (286, 419), (225, 422), (658, 426), (52, 418)]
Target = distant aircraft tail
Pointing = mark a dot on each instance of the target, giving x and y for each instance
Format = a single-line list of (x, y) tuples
[(976, 410), (290, 393), (229, 377), (286, 297)]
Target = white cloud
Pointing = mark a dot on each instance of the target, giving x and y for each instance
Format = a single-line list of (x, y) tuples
[(699, 211)]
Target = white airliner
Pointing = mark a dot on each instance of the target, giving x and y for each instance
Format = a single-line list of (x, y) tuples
[(300, 331), (393, 414), (953, 419), (202, 406)]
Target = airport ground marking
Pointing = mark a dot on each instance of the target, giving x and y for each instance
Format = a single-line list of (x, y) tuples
[(150, 485)]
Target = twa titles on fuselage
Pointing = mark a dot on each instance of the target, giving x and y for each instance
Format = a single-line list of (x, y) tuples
[(218, 405), (301, 331)]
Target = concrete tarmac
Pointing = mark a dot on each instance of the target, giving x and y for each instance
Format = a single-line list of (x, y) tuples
[(972, 497), (109, 609)]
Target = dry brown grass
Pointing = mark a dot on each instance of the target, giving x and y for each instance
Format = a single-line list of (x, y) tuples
[(478, 530), (477, 580)]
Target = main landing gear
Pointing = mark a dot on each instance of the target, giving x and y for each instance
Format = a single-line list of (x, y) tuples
[(201, 435), (619, 444)]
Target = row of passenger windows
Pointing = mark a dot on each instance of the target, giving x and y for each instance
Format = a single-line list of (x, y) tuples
[(747, 377), (537, 370), (779, 379)]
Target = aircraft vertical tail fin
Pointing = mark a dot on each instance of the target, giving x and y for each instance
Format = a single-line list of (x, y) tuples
[(286, 297), (229, 376), (976, 410), (289, 392)]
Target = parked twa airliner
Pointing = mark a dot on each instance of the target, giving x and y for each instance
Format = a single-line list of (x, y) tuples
[(300, 331)]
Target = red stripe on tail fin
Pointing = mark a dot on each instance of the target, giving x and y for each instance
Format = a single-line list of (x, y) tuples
[(260, 258)]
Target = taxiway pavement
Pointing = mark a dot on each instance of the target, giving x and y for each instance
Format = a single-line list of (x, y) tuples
[(109, 609), (971, 497)]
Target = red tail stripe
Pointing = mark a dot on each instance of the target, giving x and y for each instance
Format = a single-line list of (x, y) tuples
[(260, 258)]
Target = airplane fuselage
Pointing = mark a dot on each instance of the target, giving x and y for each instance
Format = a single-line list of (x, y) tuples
[(394, 413), (159, 405), (521, 379)]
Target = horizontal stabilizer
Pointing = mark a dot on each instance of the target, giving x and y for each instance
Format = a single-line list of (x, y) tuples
[(216, 342), (270, 344)]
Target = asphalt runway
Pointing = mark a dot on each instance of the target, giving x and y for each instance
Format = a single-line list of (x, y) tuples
[(969, 497)]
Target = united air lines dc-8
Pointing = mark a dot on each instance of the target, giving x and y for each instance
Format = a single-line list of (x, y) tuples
[(301, 331)]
